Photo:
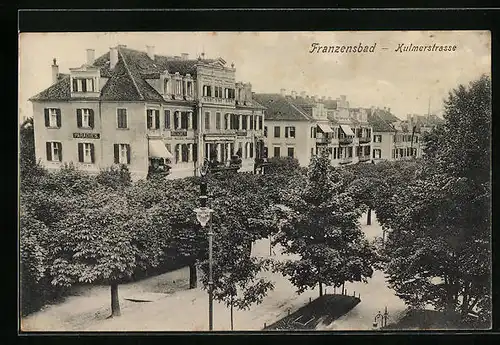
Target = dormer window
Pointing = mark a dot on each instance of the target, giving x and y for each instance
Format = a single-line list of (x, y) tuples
[(83, 85), (166, 86), (178, 87)]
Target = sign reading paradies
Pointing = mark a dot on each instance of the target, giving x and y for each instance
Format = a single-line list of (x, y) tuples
[(87, 135)]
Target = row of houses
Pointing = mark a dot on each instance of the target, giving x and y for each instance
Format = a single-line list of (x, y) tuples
[(154, 112)]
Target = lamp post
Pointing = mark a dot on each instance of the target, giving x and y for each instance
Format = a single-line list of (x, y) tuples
[(204, 215)]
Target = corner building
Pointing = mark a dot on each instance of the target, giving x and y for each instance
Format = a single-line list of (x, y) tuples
[(148, 112)]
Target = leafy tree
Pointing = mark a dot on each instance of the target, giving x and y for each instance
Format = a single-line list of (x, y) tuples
[(240, 203), (320, 224), (115, 177), (99, 243), (439, 244)]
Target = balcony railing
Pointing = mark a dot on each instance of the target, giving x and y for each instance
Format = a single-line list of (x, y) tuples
[(345, 141), (217, 100), (322, 140), (345, 160), (241, 133), (364, 140), (364, 158)]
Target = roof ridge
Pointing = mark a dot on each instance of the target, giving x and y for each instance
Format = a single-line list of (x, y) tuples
[(387, 123), (298, 109), (130, 74)]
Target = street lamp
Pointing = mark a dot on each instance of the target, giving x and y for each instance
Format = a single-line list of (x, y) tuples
[(204, 215)]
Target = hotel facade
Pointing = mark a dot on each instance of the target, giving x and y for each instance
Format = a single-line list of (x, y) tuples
[(149, 112), (301, 126)]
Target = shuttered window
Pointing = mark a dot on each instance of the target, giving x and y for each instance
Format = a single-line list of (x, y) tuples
[(153, 118), (52, 117), (54, 151), (122, 153), (85, 118), (121, 116), (86, 153)]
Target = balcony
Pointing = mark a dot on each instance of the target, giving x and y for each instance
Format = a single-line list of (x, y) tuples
[(241, 133), (345, 160), (345, 141), (232, 165), (180, 133), (322, 140), (365, 140), (217, 100)]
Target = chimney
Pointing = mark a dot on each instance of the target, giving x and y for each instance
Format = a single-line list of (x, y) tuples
[(282, 92), (343, 97), (329, 98), (113, 57), (389, 110), (55, 71), (294, 94), (90, 56), (185, 56), (303, 94), (151, 52)]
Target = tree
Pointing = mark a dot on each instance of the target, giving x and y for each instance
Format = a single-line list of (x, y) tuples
[(115, 177), (98, 243), (320, 224), (439, 244), (240, 203)]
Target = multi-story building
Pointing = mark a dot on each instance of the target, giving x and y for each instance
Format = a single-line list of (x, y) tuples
[(147, 111), (394, 138), (320, 126), (287, 128)]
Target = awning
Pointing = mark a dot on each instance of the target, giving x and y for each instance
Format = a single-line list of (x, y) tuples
[(325, 128), (157, 149), (347, 130)]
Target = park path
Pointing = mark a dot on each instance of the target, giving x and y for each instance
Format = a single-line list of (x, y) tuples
[(375, 295), (173, 307)]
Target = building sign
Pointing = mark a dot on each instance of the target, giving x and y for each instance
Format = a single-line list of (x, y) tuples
[(179, 133), (86, 135)]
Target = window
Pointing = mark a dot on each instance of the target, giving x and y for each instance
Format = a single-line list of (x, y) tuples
[(54, 151), (291, 152), (153, 118), (226, 121), (312, 151), (277, 151), (167, 119), (217, 120), (377, 138), (289, 132), (377, 153), (52, 117), (265, 131), (166, 86), (244, 121), (251, 117), (335, 153), (207, 90), (86, 153), (190, 88), (251, 150), (260, 122), (207, 120), (83, 85), (185, 153), (122, 153), (218, 91), (178, 87), (313, 132), (276, 131), (121, 115), (85, 118)]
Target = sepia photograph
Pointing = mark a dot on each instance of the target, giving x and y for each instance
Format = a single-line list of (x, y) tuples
[(255, 181)]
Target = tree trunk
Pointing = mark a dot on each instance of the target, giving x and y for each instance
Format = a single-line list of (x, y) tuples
[(193, 277), (343, 290), (115, 303), (320, 289), (231, 313), (369, 217)]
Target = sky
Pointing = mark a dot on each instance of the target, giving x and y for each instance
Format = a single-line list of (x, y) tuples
[(270, 61)]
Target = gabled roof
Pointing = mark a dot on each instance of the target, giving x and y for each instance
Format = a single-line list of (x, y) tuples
[(279, 108), (381, 120), (127, 81)]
